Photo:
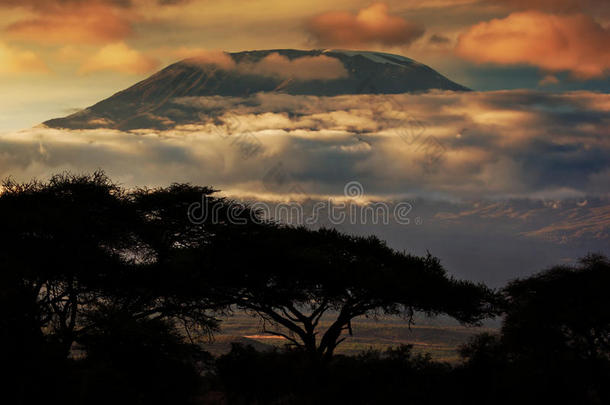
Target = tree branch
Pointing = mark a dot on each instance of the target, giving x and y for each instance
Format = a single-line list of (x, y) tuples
[(287, 337), (277, 318)]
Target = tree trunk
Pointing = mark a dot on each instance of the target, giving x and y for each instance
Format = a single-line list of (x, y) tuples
[(330, 340)]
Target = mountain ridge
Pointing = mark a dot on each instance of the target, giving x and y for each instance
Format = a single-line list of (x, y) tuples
[(149, 103)]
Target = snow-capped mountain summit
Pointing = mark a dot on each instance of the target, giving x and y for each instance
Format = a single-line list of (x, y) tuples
[(150, 103)]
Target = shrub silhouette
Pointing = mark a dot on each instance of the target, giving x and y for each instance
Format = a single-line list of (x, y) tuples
[(143, 360), (553, 345), (290, 376)]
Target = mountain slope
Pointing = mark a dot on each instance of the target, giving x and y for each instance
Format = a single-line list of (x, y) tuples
[(150, 103)]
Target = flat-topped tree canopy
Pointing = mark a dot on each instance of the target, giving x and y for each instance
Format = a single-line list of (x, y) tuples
[(291, 277), (77, 243)]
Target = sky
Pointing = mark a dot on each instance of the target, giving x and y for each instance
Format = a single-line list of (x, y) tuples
[(57, 56), (499, 182)]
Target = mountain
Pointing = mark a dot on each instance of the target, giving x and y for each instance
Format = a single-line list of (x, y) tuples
[(151, 102)]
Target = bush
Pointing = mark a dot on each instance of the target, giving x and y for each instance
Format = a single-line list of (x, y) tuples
[(291, 376)]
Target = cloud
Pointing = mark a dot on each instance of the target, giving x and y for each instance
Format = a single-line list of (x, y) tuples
[(52, 4), (120, 58), (69, 53), (596, 7), (15, 61), (507, 144), (370, 25), (319, 67), (437, 39), (575, 221), (46, 5), (548, 80), (201, 56), (172, 2), (556, 220), (85, 23), (510, 189), (574, 43)]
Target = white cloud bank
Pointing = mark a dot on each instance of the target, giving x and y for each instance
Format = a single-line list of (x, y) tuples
[(509, 144), (498, 169)]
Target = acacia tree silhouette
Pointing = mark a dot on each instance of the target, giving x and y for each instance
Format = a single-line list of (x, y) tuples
[(78, 245), (85, 261), (60, 240), (172, 244), (292, 277)]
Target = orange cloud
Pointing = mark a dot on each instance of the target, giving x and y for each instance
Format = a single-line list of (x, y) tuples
[(89, 23), (559, 6), (68, 53), (205, 57), (53, 4), (73, 22), (119, 57), (13, 61), (574, 43), (319, 67), (372, 24), (548, 80)]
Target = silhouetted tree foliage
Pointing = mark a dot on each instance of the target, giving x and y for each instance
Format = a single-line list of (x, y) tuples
[(136, 360), (105, 294), (74, 246), (59, 240), (292, 277), (554, 342)]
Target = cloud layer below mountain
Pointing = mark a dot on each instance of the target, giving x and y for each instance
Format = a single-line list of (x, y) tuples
[(520, 179), (450, 145)]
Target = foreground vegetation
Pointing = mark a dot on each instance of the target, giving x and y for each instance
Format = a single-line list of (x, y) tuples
[(105, 294)]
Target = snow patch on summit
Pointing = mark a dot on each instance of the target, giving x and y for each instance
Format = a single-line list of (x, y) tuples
[(378, 57)]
